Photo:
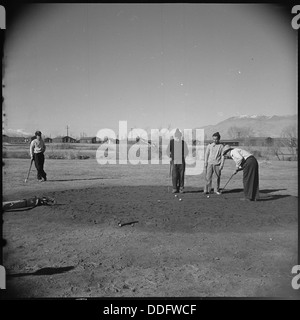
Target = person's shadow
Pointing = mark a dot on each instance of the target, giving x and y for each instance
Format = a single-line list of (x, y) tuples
[(42, 272), (75, 179), (264, 191), (194, 190), (274, 197)]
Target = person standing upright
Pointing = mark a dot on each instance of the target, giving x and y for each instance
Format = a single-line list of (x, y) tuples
[(213, 163), (177, 151), (37, 149)]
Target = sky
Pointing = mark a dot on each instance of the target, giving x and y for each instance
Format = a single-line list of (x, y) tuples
[(89, 66)]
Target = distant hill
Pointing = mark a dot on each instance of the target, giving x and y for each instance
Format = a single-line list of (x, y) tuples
[(257, 126), (17, 133)]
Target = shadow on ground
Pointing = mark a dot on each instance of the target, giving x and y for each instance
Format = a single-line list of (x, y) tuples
[(194, 191), (42, 272), (260, 191), (65, 180), (264, 194), (274, 197)]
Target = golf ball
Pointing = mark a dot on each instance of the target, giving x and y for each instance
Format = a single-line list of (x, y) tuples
[(207, 196), (158, 200), (175, 195), (180, 199)]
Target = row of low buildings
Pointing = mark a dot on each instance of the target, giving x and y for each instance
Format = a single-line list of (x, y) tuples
[(251, 141), (65, 139)]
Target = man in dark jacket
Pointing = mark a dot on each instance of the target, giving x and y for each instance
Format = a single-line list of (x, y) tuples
[(177, 151)]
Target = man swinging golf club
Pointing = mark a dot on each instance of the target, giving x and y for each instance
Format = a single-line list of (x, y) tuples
[(247, 162), (37, 149)]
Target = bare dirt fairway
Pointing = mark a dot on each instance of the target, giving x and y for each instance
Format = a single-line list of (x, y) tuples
[(198, 247)]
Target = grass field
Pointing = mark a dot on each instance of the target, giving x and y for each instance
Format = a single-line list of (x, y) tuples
[(73, 151), (199, 247), (281, 175)]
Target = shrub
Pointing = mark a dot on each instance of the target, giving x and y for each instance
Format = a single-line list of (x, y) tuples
[(256, 153), (16, 154)]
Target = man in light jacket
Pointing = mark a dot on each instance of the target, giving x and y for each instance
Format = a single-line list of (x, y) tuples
[(213, 163), (37, 149), (245, 161)]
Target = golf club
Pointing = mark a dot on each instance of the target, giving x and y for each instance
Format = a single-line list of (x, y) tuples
[(29, 170), (228, 182)]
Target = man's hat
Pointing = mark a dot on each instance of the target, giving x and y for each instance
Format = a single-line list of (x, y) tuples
[(177, 133), (38, 133), (226, 149)]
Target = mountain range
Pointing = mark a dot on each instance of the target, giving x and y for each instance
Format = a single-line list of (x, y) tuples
[(255, 125)]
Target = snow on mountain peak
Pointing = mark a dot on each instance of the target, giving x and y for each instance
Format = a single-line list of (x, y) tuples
[(246, 116)]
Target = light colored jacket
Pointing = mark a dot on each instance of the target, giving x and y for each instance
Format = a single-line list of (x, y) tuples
[(214, 154), (239, 156), (37, 146)]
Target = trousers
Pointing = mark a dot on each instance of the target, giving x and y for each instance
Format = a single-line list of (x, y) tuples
[(178, 171), (212, 171), (251, 178), (39, 160)]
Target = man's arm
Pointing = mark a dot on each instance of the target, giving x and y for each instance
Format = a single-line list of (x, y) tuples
[(186, 149), (170, 149), (44, 147), (207, 151), (31, 148), (238, 159), (222, 162), (222, 159)]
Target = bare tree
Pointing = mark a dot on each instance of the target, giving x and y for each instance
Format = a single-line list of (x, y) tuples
[(289, 137), (242, 133), (277, 149)]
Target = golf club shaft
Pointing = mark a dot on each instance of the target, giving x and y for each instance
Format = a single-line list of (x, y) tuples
[(227, 182), (29, 169)]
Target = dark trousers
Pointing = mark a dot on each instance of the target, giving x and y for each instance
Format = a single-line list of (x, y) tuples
[(178, 171), (251, 179), (39, 160)]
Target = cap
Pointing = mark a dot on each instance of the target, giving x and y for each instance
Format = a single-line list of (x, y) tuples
[(38, 133), (177, 133), (226, 149)]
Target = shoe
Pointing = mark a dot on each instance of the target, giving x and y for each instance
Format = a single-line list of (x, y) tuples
[(218, 192), (245, 199), (181, 191), (40, 180), (174, 191)]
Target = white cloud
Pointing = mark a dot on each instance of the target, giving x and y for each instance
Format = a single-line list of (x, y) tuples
[(18, 132)]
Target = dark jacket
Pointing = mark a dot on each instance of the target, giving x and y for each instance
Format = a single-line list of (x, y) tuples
[(184, 151)]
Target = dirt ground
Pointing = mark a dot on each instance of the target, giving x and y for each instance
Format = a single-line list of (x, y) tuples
[(197, 247)]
